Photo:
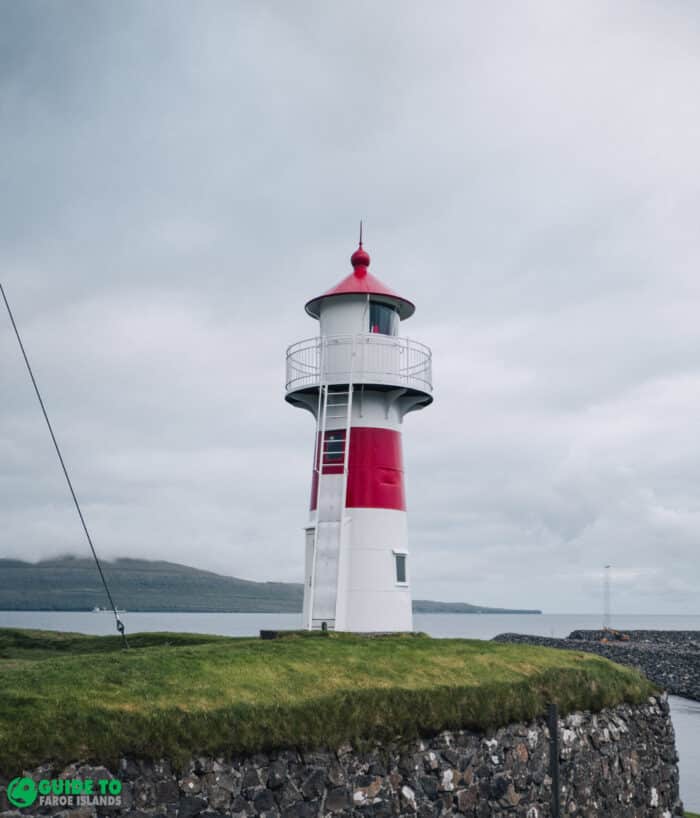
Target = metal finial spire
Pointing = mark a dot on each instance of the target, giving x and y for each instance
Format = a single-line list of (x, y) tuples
[(360, 232)]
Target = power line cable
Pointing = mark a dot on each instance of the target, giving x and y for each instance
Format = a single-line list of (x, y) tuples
[(119, 623)]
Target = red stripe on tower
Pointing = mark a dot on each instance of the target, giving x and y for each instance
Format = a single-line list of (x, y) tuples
[(375, 469)]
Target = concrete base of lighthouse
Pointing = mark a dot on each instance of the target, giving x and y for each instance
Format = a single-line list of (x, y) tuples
[(371, 571)]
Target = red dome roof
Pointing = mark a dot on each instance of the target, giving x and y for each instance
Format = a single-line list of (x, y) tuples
[(362, 282)]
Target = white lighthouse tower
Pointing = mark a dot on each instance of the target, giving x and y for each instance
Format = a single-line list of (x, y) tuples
[(358, 378)]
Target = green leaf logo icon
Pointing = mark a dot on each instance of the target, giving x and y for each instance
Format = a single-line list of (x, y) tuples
[(22, 792)]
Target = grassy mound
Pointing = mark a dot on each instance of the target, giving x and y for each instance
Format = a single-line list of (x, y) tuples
[(65, 696)]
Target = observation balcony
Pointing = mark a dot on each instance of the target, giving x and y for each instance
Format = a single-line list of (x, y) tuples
[(384, 361)]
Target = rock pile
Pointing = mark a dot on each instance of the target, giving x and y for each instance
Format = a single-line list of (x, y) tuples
[(671, 659)]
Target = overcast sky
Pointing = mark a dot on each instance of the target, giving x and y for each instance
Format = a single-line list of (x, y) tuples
[(179, 178)]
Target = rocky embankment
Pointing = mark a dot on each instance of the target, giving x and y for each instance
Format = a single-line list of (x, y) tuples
[(619, 763), (671, 659)]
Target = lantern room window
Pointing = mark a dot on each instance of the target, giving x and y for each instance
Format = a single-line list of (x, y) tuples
[(383, 318)]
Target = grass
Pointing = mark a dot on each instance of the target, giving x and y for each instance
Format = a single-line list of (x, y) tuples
[(68, 696)]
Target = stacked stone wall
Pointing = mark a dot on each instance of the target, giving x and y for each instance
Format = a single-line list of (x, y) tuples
[(620, 763)]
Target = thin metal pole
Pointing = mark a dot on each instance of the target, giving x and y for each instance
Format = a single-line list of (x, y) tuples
[(119, 623), (606, 598)]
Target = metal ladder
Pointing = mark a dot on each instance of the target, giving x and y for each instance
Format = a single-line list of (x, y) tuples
[(331, 461)]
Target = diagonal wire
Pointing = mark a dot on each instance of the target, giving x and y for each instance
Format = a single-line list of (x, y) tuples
[(119, 623)]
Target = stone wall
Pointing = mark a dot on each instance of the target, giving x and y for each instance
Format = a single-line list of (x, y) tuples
[(670, 659), (620, 763)]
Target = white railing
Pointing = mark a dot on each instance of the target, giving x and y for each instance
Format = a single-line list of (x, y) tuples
[(367, 358)]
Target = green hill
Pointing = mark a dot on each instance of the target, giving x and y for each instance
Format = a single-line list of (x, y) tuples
[(73, 584), (171, 695)]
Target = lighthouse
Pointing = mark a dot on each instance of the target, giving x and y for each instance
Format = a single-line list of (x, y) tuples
[(359, 377)]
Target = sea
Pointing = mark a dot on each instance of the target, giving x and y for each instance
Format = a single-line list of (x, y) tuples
[(685, 713)]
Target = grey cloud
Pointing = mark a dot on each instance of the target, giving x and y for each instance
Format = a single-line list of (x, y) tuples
[(178, 179)]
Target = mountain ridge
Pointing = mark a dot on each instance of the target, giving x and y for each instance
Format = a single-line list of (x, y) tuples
[(71, 583)]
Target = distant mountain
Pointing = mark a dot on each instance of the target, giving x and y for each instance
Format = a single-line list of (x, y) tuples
[(429, 606), (73, 584)]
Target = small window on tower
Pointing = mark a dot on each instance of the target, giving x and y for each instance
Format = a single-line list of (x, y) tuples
[(382, 318), (400, 568), (334, 447)]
